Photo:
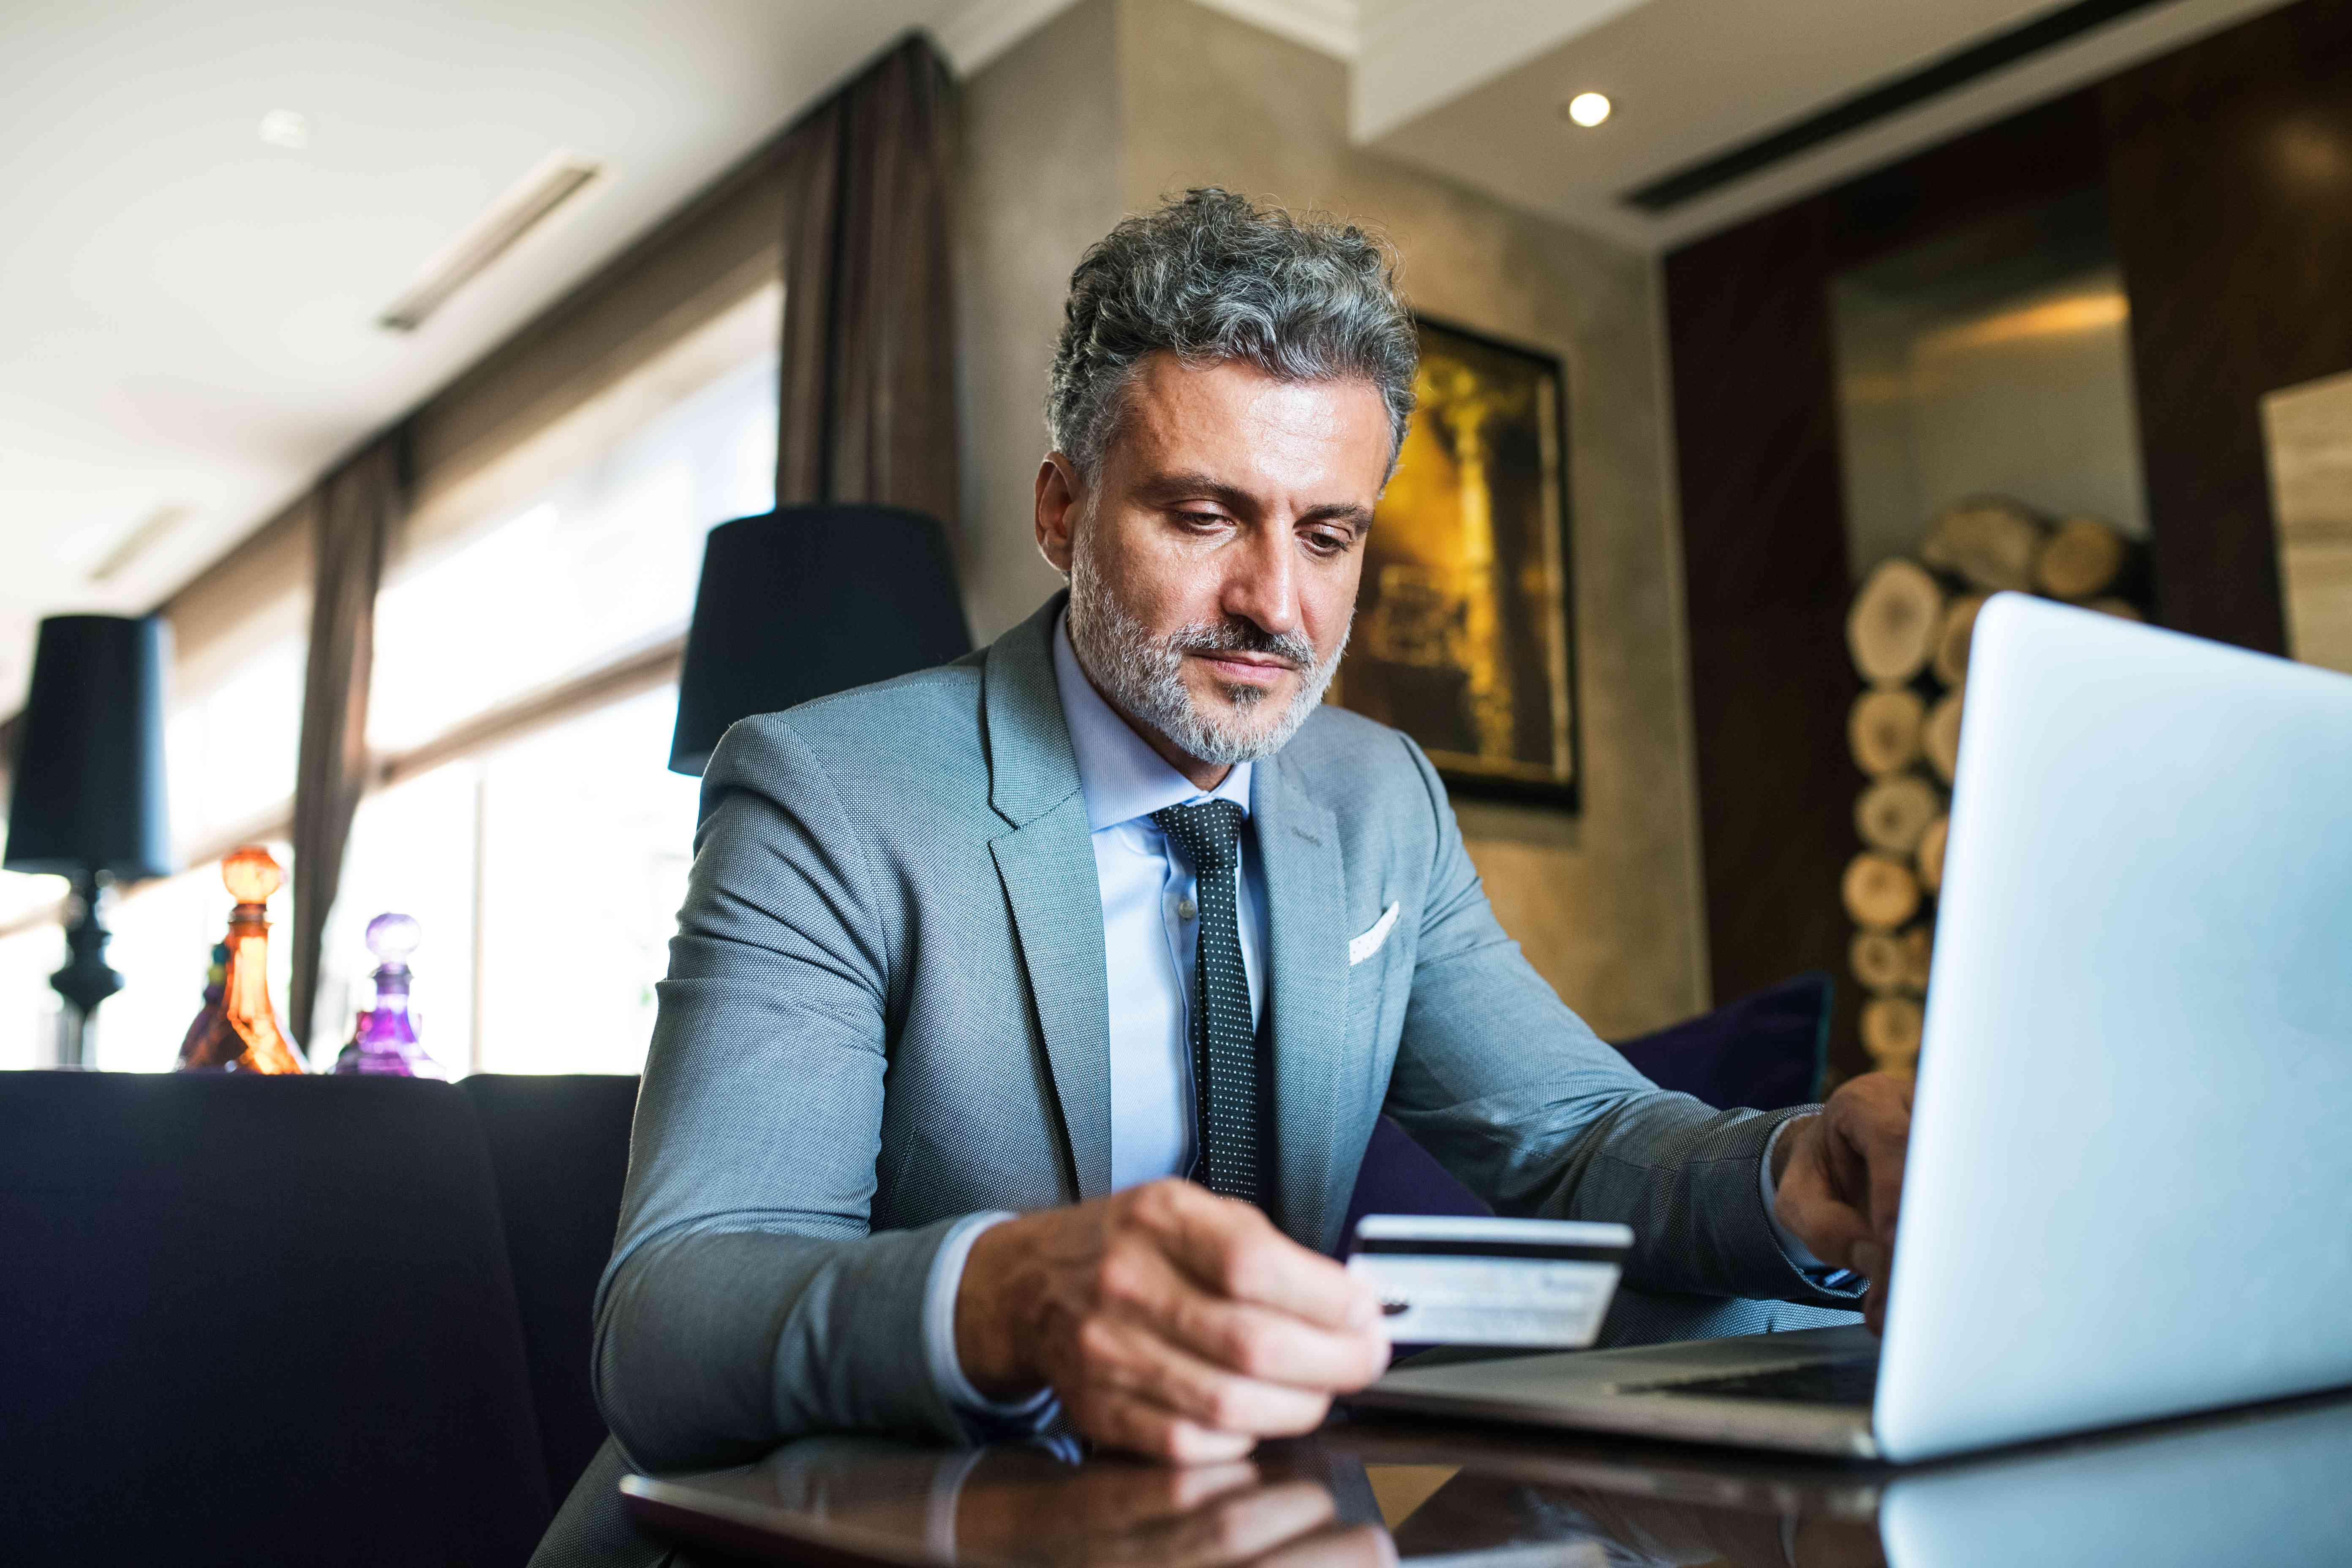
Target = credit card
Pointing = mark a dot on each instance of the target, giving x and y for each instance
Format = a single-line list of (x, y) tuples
[(1464, 1280)]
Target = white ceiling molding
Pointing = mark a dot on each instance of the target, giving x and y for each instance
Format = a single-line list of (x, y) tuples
[(1331, 27), (977, 33)]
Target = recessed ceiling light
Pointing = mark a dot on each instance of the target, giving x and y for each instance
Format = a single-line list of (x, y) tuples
[(1588, 108), (284, 127)]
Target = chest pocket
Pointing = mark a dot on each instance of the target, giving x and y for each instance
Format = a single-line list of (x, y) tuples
[(1380, 963)]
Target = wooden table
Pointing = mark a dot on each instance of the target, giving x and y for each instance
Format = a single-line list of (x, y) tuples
[(2271, 1485)]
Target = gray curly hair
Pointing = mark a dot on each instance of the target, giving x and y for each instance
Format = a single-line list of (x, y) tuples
[(1213, 276)]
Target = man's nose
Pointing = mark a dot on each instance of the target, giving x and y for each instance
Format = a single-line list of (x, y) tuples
[(1261, 584)]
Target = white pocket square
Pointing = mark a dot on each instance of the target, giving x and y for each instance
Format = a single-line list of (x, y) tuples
[(1362, 947)]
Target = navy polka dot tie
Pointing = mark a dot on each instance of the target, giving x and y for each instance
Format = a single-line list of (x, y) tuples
[(1224, 1038)]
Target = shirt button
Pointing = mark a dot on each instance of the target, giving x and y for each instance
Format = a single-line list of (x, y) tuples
[(1185, 908)]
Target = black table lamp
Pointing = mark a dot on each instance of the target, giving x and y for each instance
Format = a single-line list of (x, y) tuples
[(87, 799), (806, 601)]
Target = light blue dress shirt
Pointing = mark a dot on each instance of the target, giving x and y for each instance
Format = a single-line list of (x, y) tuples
[(1151, 940), (1149, 903)]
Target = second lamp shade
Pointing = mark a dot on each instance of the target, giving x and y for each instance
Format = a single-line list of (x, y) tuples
[(806, 601)]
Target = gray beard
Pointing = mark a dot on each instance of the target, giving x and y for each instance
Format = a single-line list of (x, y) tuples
[(1143, 675)]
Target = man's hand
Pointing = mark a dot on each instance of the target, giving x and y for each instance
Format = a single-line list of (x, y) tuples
[(1838, 1180), (1170, 1321)]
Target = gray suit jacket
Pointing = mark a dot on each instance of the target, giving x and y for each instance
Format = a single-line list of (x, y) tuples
[(888, 1007)]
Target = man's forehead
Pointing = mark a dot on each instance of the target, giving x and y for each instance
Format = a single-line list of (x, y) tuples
[(1231, 420)]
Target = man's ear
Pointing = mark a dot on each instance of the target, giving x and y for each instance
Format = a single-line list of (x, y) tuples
[(1059, 497)]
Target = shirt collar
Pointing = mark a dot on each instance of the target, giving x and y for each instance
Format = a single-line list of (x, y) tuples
[(1122, 777)]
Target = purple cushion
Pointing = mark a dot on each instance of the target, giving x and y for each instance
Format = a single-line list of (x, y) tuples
[(1399, 1176), (1764, 1052)]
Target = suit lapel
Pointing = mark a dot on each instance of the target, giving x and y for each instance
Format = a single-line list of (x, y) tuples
[(1307, 949), (1048, 866)]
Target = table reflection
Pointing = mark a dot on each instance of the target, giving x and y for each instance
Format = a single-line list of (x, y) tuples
[(2274, 1486), (2258, 1487), (1042, 1505)]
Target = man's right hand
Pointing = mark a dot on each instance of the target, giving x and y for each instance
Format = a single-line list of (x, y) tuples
[(1168, 1320)]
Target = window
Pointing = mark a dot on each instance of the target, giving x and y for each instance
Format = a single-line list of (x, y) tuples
[(28, 1008), (540, 840), (522, 703), (587, 836), (601, 565), (547, 875), (230, 741), (413, 849)]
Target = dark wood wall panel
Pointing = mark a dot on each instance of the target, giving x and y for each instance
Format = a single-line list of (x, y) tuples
[(2226, 168), (1764, 533), (2230, 203), (1764, 565)]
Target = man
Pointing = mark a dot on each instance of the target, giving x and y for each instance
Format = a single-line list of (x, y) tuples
[(1027, 1016)]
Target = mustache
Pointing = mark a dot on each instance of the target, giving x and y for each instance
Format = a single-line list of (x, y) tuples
[(1236, 635)]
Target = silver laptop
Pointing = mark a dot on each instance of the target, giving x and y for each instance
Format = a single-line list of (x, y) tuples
[(2132, 1142)]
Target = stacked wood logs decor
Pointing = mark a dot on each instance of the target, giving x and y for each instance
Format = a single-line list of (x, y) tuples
[(1909, 631)]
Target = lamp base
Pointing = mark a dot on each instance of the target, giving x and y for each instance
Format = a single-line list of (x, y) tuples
[(87, 979)]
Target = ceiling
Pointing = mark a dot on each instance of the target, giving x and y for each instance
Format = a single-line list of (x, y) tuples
[(1693, 79), (187, 312), (187, 309)]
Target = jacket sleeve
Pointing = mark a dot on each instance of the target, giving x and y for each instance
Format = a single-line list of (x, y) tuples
[(1532, 1111), (746, 1302)]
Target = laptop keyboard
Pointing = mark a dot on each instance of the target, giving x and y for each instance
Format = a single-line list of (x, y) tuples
[(1853, 1380)]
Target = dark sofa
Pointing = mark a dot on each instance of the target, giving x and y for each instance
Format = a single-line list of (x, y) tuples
[(264, 1321)]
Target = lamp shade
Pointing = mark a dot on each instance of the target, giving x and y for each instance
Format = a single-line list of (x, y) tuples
[(806, 601), (89, 792)]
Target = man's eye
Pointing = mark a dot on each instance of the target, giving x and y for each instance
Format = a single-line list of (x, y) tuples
[(1329, 543), (1203, 520)]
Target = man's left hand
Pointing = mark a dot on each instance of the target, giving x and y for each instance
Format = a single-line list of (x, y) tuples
[(1838, 1180)]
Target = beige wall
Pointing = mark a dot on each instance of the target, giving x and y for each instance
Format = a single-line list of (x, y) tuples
[(1039, 184), (1118, 102)]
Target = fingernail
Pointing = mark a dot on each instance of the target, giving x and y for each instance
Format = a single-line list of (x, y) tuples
[(1868, 1260)]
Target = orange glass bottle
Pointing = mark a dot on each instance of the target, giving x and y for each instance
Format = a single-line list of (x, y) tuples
[(241, 1031)]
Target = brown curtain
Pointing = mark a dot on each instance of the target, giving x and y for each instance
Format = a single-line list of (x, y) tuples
[(356, 509), (868, 378), (12, 737)]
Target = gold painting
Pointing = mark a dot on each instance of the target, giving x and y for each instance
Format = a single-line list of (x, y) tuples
[(1463, 637)]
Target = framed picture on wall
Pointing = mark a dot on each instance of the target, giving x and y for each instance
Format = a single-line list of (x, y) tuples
[(1464, 636)]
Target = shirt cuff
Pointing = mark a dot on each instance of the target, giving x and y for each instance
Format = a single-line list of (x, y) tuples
[(939, 1333), (1799, 1253)]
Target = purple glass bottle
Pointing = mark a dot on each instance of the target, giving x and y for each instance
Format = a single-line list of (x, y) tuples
[(386, 1040)]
